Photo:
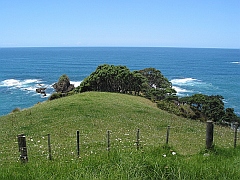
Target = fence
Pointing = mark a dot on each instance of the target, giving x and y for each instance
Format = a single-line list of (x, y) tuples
[(80, 144)]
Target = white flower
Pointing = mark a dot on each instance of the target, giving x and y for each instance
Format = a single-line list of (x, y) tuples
[(164, 155), (174, 153)]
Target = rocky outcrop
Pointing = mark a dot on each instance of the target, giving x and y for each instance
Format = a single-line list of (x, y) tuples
[(41, 91), (63, 85)]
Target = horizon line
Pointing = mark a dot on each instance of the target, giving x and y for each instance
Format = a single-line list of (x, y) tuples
[(180, 47)]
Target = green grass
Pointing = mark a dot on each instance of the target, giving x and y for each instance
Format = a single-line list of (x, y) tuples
[(94, 113)]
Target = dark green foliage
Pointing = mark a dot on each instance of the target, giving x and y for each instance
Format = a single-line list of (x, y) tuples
[(148, 82), (63, 78), (170, 107), (230, 116), (157, 86), (16, 110), (210, 108), (213, 108), (155, 78), (55, 96), (110, 78), (59, 95)]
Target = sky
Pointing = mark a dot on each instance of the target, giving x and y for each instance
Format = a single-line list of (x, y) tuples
[(120, 23)]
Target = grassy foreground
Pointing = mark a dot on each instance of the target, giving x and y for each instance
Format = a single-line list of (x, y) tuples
[(94, 113)]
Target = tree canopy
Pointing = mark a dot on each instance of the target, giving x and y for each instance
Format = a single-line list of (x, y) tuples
[(210, 107), (148, 82), (110, 78), (155, 78)]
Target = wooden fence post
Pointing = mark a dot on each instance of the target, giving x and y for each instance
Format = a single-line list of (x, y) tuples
[(209, 135), (19, 143), (235, 134), (138, 139), (22, 147), (108, 140), (167, 136), (78, 147), (49, 148)]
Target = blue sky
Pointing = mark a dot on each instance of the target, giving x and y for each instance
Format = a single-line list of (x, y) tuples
[(154, 23)]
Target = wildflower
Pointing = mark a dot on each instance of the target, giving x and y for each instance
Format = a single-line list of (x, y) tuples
[(164, 155), (174, 153)]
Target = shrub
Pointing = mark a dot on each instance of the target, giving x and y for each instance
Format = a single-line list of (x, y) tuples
[(169, 107), (55, 96), (63, 78), (16, 110)]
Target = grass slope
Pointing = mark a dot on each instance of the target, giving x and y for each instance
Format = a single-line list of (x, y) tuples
[(93, 113)]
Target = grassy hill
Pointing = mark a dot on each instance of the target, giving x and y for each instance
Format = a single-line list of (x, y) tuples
[(93, 113)]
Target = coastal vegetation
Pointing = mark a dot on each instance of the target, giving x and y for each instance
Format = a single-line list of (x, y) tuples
[(151, 84), (93, 113), (109, 109)]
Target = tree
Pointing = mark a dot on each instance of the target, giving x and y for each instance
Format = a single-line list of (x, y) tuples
[(230, 116), (213, 108), (155, 78), (110, 78), (197, 101), (157, 87)]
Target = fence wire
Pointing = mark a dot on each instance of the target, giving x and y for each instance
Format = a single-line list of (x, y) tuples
[(65, 146)]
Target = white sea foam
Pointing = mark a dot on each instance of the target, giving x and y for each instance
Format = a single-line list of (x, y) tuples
[(184, 86), (10, 82), (75, 83), (180, 90), (46, 96), (28, 85), (18, 83), (182, 81), (237, 62), (29, 81)]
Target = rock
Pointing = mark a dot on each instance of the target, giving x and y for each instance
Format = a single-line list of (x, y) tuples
[(41, 90), (63, 85)]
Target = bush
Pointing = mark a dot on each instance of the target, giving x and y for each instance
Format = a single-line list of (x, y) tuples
[(55, 96), (169, 107), (64, 78), (16, 110)]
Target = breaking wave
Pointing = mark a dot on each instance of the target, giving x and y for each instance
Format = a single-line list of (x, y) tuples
[(75, 83), (189, 86), (28, 85), (184, 81), (237, 62)]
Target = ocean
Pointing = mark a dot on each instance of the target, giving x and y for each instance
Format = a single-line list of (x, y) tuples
[(191, 70)]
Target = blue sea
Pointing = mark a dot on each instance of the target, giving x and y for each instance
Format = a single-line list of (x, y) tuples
[(191, 70)]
